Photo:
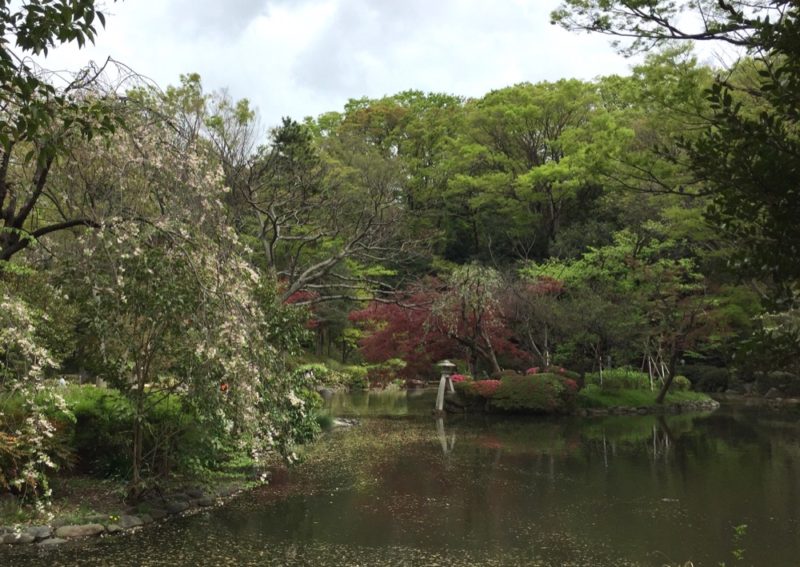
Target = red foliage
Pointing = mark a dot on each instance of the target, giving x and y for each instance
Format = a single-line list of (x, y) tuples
[(305, 297), (545, 285), (394, 330), (411, 330), (531, 371), (571, 384), (458, 378), (301, 296)]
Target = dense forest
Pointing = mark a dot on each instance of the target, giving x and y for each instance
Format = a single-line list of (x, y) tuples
[(211, 274)]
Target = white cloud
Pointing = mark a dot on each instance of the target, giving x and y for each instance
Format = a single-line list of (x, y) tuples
[(305, 57)]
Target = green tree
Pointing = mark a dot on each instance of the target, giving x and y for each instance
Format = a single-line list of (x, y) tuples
[(38, 121), (522, 169), (748, 156)]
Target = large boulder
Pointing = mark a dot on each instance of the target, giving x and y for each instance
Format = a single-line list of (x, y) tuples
[(40, 532), (127, 522), (83, 530), (177, 506), (18, 538)]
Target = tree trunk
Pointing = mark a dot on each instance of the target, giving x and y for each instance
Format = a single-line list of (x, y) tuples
[(673, 361), (135, 487), (473, 363), (489, 354)]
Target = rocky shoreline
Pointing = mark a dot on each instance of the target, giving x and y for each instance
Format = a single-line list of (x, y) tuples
[(153, 510), (150, 511), (681, 407), (453, 404)]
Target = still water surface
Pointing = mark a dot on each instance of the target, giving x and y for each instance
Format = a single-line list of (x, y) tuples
[(402, 488)]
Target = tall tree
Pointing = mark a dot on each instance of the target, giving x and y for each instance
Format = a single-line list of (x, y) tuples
[(39, 121), (749, 156)]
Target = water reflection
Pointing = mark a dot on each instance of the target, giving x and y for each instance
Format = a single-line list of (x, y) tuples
[(447, 443), (641, 490)]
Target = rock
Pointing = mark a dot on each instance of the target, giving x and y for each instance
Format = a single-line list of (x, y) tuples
[(127, 522), (79, 530), (772, 393), (204, 502), (113, 528), (52, 541), (177, 506), (157, 513), (195, 493), (146, 518), (40, 532), (18, 538)]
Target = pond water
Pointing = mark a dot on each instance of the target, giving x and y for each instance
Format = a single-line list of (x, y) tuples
[(403, 488)]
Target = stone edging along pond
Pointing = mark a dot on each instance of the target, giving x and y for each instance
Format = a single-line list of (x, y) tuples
[(177, 504), (453, 406), (679, 407)]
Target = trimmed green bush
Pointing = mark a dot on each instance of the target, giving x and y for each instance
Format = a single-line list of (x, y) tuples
[(706, 378), (681, 384), (506, 374), (540, 393), (476, 393)]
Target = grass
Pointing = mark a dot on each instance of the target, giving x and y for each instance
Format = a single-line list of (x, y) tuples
[(597, 398)]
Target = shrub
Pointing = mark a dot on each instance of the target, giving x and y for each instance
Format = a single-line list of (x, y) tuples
[(486, 388), (456, 378), (102, 433), (620, 379), (707, 378), (532, 370), (681, 383), (356, 377), (177, 438), (385, 372), (464, 389), (561, 371), (547, 393), (506, 374), (785, 382)]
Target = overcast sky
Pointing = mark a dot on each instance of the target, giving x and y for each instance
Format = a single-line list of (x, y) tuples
[(304, 57)]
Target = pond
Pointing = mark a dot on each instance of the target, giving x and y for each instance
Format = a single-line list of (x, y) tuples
[(403, 488)]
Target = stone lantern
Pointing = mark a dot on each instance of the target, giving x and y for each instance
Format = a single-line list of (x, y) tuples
[(444, 383)]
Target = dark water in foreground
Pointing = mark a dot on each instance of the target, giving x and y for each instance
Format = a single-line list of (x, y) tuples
[(402, 489)]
